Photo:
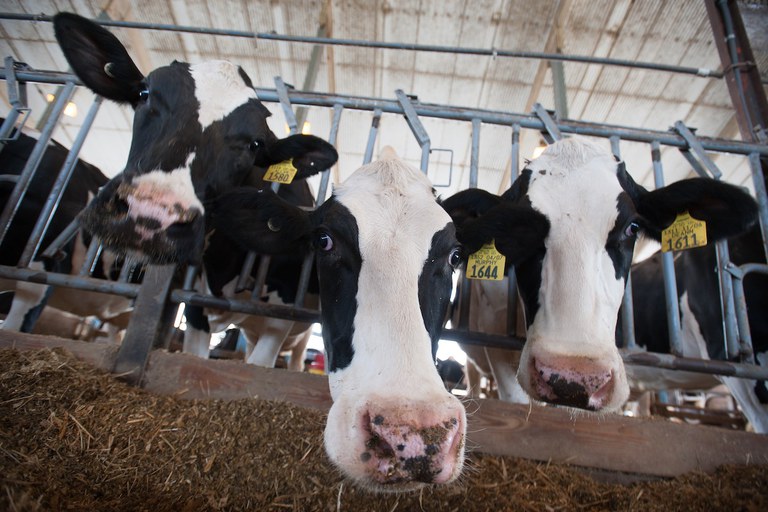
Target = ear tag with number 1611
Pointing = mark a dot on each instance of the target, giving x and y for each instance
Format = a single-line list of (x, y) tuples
[(487, 263), (685, 233), (282, 172)]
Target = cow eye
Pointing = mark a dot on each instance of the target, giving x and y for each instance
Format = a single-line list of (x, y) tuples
[(254, 146), (143, 94), (454, 259), (632, 229), (325, 242)]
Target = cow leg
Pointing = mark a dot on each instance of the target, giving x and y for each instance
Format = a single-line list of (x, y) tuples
[(504, 365), (743, 390), (473, 379), (28, 301), (197, 336), (267, 342), (298, 343)]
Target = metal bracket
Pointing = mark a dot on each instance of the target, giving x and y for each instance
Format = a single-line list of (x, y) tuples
[(698, 152), (552, 131), (17, 97), (450, 168)]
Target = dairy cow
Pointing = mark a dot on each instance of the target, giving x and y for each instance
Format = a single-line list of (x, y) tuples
[(385, 252), (568, 225), (701, 320), (29, 299), (199, 131)]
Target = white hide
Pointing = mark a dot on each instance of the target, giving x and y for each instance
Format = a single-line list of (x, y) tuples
[(219, 89), (573, 183), (396, 215)]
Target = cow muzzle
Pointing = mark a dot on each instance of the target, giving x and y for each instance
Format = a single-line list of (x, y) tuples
[(572, 381)]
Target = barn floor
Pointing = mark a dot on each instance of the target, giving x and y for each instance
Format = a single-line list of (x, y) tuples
[(74, 438)]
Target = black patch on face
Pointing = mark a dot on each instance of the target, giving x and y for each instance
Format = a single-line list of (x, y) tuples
[(338, 272), (620, 243), (435, 282)]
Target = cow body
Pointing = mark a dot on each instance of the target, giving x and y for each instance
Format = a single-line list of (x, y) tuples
[(30, 298), (568, 225), (701, 318), (385, 252)]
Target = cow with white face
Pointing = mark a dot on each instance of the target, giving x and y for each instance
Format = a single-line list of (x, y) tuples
[(199, 130), (568, 225), (385, 253)]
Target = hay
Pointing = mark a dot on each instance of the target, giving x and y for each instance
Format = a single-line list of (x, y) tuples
[(72, 438)]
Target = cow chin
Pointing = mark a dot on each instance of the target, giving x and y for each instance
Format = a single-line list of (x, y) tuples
[(595, 382), (389, 444)]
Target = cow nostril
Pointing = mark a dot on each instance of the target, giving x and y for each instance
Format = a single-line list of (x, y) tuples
[(119, 205)]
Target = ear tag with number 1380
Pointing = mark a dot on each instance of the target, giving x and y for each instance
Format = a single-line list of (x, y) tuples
[(685, 233), (487, 263), (282, 172)]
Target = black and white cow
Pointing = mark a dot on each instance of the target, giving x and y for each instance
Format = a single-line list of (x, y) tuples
[(199, 131), (701, 320), (30, 298), (568, 225), (385, 252)]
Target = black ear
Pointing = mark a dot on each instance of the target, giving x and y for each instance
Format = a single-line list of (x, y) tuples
[(310, 154), (519, 231), (469, 204), (727, 210), (98, 58), (260, 220)]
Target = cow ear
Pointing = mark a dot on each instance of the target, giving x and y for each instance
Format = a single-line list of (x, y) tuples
[(727, 210), (98, 58), (469, 204), (262, 221), (310, 154), (519, 231)]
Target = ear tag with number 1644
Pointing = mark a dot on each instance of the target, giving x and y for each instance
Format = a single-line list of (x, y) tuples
[(487, 263)]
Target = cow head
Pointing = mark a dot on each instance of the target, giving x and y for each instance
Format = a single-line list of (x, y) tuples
[(569, 225), (199, 130), (385, 253)]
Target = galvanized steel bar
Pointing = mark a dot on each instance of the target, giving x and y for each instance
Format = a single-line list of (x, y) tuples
[(474, 158), (695, 164), (463, 114), (549, 124), (91, 255), (322, 189), (627, 304), (69, 281), (727, 304), (285, 102), (252, 307), (514, 172), (20, 190), (245, 271), (697, 149), (668, 268), (412, 118), (490, 52), (57, 191), (189, 277), (17, 97), (739, 273), (54, 250), (758, 181), (372, 136)]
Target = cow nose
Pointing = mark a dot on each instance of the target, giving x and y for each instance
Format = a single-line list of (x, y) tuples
[(572, 381), (402, 447), (155, 209)]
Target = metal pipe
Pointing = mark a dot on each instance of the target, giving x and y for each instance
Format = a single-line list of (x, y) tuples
[(758, 180), (474, 158), (514, 171), (78, 282), (627, 304), (372, 136), (727, 303), (465, 114), (33, 161), (53, 251), (57, 191), (490, 52), (549, 123), (91, 255), (253, 307), (416, 126), (245, 271), (697, 149), (322, 190), (668, 268)]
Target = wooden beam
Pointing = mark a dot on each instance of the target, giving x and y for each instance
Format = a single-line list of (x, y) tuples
[(606, 441)]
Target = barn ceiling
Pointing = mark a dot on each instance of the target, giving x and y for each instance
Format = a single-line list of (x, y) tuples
[(658, 31)]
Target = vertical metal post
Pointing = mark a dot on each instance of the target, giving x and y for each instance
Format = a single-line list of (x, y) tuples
[(17, 97), (511, 276), (668, 268), (560, 93), (474, 159), (322, 190), (20, 190), (627, 305), (152, 316), (57, 191), (372, 136), (727, 304), (93, 253), (758, 180)]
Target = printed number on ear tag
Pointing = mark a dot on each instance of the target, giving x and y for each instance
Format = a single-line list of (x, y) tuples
[(487, 263), (282, 172), (685, 233)]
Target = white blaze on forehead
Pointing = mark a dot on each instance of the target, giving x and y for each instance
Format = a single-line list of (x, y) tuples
[(397, 216), (573, 183), (220, 89)]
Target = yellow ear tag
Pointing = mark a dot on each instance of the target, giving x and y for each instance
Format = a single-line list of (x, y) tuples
[(282, 172), (685, 233), (487, 263)]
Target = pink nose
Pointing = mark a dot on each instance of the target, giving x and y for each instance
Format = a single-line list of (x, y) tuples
[(572, 381), (155, 210), (403, 448)]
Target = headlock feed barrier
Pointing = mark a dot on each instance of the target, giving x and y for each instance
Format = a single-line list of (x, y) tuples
[(156, 301)]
